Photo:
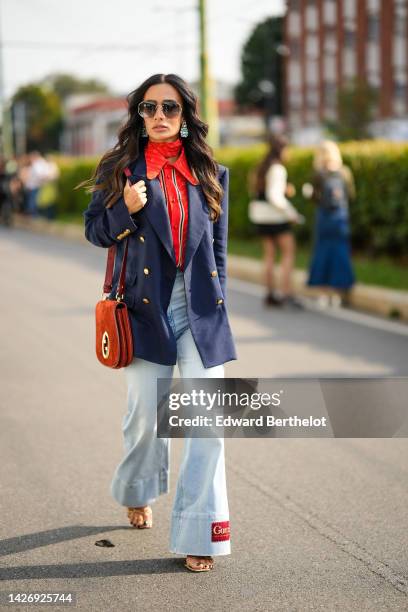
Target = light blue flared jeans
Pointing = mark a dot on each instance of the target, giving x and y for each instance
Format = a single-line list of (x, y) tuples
[(200, 515)]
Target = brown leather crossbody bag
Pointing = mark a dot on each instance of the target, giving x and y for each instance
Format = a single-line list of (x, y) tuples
[(114, 343)]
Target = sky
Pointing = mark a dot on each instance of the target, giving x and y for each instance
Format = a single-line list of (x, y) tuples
[(122, 42)]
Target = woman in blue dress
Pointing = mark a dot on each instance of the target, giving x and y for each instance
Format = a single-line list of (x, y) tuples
[(333, 186)]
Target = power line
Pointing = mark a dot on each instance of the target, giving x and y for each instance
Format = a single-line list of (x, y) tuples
[(32, 44), (87, 46)]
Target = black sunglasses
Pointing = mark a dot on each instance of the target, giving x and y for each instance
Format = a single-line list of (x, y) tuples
[(170, 108)]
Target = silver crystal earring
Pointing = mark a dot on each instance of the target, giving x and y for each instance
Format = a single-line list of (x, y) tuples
[(144, 133), (184, 130)]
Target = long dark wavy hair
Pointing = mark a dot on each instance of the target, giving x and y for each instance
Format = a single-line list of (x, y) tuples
[(109, 173), (277, 143)]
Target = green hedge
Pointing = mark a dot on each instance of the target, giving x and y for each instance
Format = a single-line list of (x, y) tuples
[(73, 170), (379, 215)]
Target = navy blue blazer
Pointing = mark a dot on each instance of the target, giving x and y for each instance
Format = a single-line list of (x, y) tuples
[(151, 268)]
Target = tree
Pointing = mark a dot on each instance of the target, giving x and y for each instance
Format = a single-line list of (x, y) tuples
[(42, 104), (65, 85), (261, 68), (43, 116), (356, 103)]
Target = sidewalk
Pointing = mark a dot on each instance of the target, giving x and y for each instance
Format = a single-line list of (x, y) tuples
[(368, 298)]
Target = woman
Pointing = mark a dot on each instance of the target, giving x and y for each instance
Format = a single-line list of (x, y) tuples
[(269, 182), (174, 213), (332, 188)]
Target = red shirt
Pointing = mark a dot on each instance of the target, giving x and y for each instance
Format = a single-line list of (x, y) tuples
[(172, 177)]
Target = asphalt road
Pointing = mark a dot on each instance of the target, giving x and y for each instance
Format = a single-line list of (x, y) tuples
[(317, 524)]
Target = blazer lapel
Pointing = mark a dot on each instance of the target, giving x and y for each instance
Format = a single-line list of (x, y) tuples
[(155, 209), (198, 212)]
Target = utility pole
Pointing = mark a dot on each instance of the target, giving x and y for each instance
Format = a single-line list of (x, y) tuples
[(208, 101), (6, 145)]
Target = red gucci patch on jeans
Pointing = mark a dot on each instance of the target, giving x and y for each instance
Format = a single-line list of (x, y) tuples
[(220, 531)]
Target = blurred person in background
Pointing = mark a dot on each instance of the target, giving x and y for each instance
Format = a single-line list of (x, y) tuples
[(268, 181), (23, 171), (9, 189), (36, 176), (332, 187)]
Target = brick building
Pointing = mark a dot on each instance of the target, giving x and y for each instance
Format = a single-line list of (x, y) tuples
[(334, 41)]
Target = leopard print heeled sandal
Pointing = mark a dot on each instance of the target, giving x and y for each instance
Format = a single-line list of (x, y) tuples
[(200, 563), (141, 517)]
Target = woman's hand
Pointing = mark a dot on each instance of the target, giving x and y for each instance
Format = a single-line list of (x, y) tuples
[(290, 191), (135, 196)]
